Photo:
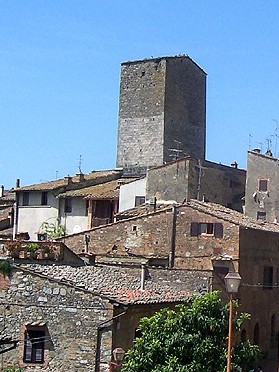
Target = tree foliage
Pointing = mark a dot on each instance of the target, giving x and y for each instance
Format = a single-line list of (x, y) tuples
[(191, 338)]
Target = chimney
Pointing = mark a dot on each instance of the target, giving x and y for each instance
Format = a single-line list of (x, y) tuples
[(68, 180), (80, 176), (2, 191), (142, 279), (234, 165), (17, 183)]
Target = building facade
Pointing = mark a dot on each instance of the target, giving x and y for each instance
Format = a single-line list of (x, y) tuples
[(206, 237), (261, 196), (162, 109), (65, 318)]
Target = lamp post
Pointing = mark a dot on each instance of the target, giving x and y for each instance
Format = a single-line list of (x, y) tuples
[(118, 356), (232, 281)]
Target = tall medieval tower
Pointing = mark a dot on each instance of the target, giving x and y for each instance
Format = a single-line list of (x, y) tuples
[(162, 111)]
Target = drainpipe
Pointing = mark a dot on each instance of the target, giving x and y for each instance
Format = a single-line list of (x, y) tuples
[(99, 338), (142, 278), (173, 237), (16, 204)]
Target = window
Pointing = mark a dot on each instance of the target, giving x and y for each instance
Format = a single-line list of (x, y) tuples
[(206, 228), (42, 237), (86, 207), (203, 228), (34, 342), (44, 198), (25, 198), (262, 185), (139, 200), (256, 334), (68, 205), (272, 331), (261, 216), (268, 277)]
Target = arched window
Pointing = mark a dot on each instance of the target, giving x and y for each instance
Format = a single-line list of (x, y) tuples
[(256, 334)]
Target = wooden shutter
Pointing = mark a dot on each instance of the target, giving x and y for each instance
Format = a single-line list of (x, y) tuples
[(194, 229), (218, 230), (27, 348)]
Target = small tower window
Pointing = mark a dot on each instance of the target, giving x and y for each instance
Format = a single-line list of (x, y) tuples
[(262, 185)]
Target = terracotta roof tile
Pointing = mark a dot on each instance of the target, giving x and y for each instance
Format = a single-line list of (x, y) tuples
[(106, 190), (123, 284), (52, 185)]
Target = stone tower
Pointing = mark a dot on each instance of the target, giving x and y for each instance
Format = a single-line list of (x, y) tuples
[(162, 111)]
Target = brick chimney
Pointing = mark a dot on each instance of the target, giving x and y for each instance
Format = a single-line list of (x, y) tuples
[(68, 180)]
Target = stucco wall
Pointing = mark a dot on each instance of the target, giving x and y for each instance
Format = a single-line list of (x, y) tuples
[(128, 193), (30, 219), (261, 167)]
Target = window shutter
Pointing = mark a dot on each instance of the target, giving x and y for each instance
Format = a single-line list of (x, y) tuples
[(194, 228), (27, 348), (218, 230)]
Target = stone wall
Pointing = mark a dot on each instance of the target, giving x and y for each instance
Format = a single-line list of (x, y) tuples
[(162, 101), (69, 316), (258, 297), (191, 178), (164, 234), (185, 108)]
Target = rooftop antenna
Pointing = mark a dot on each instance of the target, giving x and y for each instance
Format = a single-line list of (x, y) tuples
[(79, 164), (56, 175), (176, 152), (268, 143), (249, 146), (276, 135)]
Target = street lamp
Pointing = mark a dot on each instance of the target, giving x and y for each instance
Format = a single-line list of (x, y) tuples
[(232, 281), (118, 356)]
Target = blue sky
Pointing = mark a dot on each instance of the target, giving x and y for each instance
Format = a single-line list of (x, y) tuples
[(60, 66)]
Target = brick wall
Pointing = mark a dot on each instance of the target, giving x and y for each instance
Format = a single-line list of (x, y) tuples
[(157, 235)]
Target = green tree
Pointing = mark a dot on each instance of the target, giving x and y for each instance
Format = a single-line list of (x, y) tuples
[(191, 338)]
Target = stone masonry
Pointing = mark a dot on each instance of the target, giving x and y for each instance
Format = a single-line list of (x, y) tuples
[(161, 107)]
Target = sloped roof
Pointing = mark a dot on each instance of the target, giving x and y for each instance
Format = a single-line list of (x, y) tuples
[(7, 198), (107, 190), (123, 284), (212, 209), (52, 185), (5, 212), (232, 216)]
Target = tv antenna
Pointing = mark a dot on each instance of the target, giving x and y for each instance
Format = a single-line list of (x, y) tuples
[(176, 152), (79, 163), (276, 136), (249, 145)]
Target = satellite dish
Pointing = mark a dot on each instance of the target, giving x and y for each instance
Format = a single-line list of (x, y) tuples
[(76, 229)]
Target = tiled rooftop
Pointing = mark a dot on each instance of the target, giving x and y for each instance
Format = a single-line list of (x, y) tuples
[(213, 209), (232, 216), (107, 190), (52, 185), (122, 284)]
